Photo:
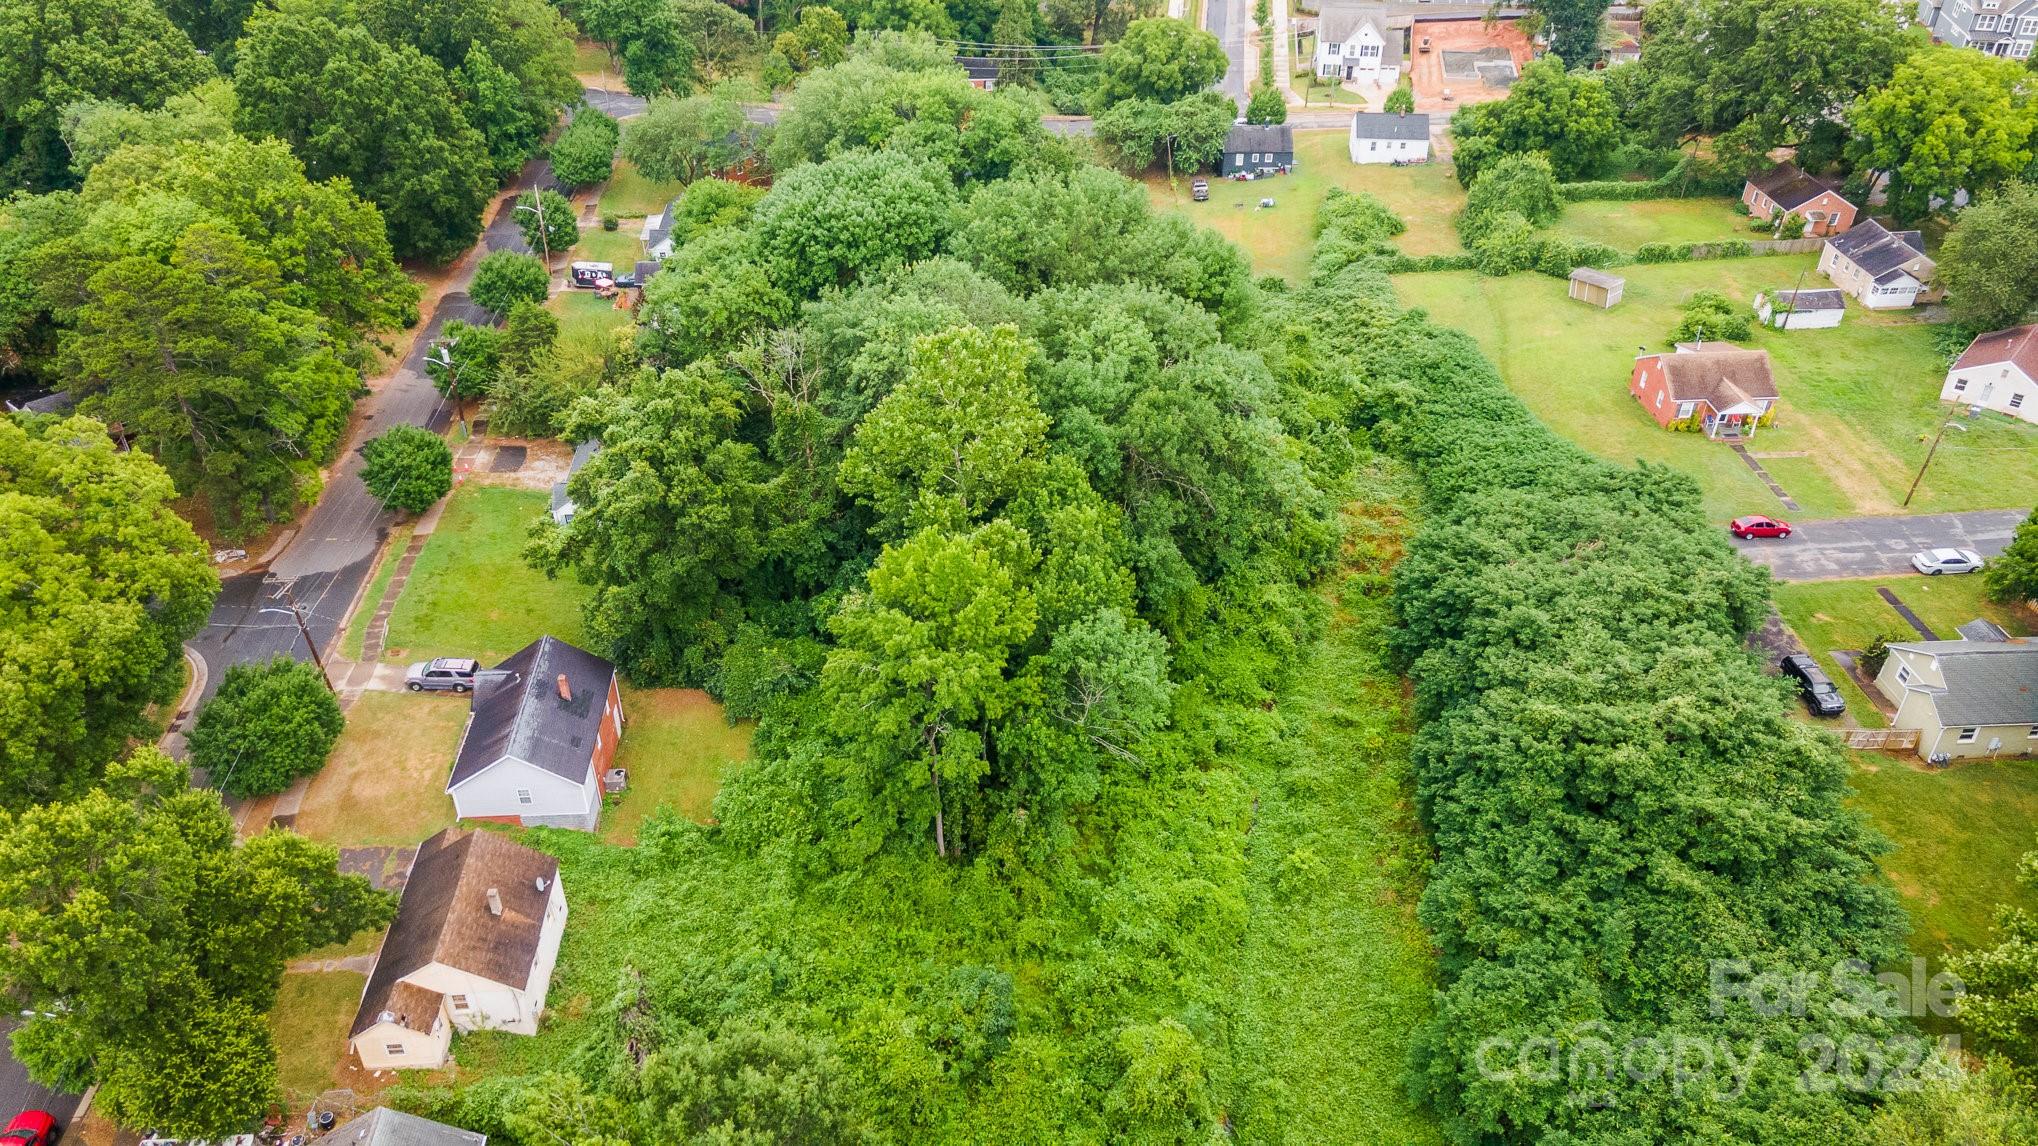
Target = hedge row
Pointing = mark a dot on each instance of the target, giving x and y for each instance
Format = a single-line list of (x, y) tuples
[(1626, 821), (1681, 182)]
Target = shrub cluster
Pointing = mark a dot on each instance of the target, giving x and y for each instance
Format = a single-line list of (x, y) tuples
[(1622, 812), (1710, 316), (1688, 179)]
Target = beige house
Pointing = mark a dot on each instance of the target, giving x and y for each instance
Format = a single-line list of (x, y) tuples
[(1967, 698), (1999, 372), (1882, 269), (473, 946)]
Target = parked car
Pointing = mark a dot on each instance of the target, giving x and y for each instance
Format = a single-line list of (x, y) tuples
[(1757, 525), (1199, 189), (447, 674), (1933, 562), (31, 1128), (1821, 695)]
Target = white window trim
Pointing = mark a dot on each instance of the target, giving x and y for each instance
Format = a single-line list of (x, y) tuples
[(524, 796), (1967, 736), (394, 1050), (1903, 674)]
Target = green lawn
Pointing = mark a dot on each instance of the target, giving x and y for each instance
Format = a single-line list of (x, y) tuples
[(592, 59), (385, 781), (309, 1023), (1859, 401), (1828, 615), (583, 314), (1958, 836), (622, 246), (470, 594), (678, 749), (1629, 225), (630, 195), (385, 572)]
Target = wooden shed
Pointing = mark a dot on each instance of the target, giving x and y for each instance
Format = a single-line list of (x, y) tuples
[(1596, 287)]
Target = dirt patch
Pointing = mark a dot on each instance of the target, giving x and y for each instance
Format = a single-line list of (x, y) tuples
[(1468, 59), (1774, 640), (535, 463)]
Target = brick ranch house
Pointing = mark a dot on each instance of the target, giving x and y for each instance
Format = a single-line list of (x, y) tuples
[(542, 732), (1716, 388), (1784, 189)]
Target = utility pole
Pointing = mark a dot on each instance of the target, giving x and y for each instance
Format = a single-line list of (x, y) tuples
[(445, 362), (317, 661), (1950, 407)]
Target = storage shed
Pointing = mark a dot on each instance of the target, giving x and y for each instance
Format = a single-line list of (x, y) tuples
[(1801, 309), (1596, 287)]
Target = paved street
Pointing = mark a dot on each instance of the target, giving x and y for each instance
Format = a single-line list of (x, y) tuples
[(1231, 22), (17, 1093), (1875, 546), (618, 104)]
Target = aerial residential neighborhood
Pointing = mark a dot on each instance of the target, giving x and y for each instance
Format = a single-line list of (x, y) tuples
[(1397, 572)]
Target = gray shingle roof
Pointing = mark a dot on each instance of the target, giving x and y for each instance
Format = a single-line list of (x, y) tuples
[(1789, 187), (1877, 250), (1809, 299), (1386, 125), (661, 226), (1278, 138), (1597, 278), (518, 713), (1987, 682), (1983, 629), (385, 1127)]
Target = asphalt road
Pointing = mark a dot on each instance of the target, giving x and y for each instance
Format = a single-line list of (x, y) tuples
[(17, 1093), (1228, 20), (618, 104), (1876, 546)]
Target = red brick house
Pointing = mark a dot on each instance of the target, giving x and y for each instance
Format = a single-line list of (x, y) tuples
[(1718, 389), (1786, 190), (542, 734)]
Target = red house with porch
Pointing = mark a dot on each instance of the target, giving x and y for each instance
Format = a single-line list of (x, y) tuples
[(1716, 388)]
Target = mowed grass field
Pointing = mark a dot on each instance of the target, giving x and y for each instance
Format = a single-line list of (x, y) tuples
[(385, 782), (678, 749), (1958, 836), (1859, 402), (470, 593)]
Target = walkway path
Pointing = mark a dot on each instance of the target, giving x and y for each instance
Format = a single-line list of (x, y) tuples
[(1923, 630), (1877, 546), (1786, 499)]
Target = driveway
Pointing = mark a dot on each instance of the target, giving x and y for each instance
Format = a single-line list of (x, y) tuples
[(1877, 546), (17, 1093)]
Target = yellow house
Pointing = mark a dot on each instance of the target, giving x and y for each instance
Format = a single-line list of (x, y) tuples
[(1966, 698)]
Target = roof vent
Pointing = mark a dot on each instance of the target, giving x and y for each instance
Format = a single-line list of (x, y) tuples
[(542, 883), (565, 690), (494, 902)]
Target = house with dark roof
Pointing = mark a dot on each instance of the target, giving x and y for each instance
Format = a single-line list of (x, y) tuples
[(1800, 309), (1882, 269), (472, 948), (1716, 388), (981, 70), (1786, 190), (1998, 371), (542, 731), (1258, 148), (1966, 698), (1390, 137), (385, 1127)]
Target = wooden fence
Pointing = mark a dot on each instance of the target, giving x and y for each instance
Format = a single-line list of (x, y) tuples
[(1879, 737)]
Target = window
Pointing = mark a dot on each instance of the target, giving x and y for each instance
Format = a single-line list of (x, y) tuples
[(1959, 384), (1238, 160), (1684, 409), (1985, 23), (2033, 734), (1373, 146), (1903, 674), (1659, 399), (2020, 50), (524, 796), (393, 1050), (1967, 735), (2028, 26), (459, 1002), (2016, 400)]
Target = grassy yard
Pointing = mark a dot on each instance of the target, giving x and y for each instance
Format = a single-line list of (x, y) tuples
[(678, 750), (630, 195), (1958, 836), (313, 1011), (1859, 401), (470, 593), (582, 315), (385, 782), (1828, 615), (385, 572), (592, 59), (1629, 225), (621, 246)]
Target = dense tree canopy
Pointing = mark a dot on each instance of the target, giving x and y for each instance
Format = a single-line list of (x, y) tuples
[(691, 138), (2013, 574), (1185, 135), (266, 726), (1158, 59), (1566, 116), (408, 468), (1950, 120), (585, 153), (159, 998), (504, 278), (105, 584), (1989, 262)]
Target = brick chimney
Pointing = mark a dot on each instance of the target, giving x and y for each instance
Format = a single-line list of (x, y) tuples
[(565, 690), (494, 902)]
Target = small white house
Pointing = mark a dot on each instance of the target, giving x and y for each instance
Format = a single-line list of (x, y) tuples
[(1966, 698), (1998, 371), (1359, 43), (1882, 269), (472, 948), (657, 236), (563, 507), (1800, 309), (542, 732), (1389, 137)]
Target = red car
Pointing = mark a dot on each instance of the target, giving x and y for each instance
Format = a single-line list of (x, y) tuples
[(30, 1128), (1758, 527)]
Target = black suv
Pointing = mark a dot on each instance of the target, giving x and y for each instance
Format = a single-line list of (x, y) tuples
[(1821, 695)]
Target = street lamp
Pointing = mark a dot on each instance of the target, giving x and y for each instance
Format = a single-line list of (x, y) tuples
[(444, 361), (544, 237), (1935, 449)]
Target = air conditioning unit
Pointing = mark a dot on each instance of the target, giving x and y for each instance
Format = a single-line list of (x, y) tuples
[(615, 780)]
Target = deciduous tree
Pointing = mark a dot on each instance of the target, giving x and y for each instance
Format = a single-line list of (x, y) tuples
[(505, 278), (1567, 117), (266, 726), (585, 153), (828, 224), (684, 139), (548, 221), (1159, 59), (408, 468), (1949, 120), (1989, 263), (2012, 576)]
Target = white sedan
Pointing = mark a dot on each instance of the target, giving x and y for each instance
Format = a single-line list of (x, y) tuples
[(1935, 561)]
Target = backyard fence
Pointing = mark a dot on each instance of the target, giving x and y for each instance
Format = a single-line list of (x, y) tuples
[(1879, 737)]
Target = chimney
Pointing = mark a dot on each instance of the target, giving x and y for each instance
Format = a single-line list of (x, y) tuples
[(494, 902), (565, 690)]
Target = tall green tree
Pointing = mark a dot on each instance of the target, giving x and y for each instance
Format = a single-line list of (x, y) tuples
[(684, 139), (505, 278), (408, 468), (1949, 120), (585, 153), (147, 943), (106, 583), (1158, 59), (1566, 116), (55, 55), (2000, 1005), (1185, 135), (1989, 262), (480, 43), (383, 117), (238, 392), (2012, 576), (550, 224), (671, 46), (268, 725), (828, 224)]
